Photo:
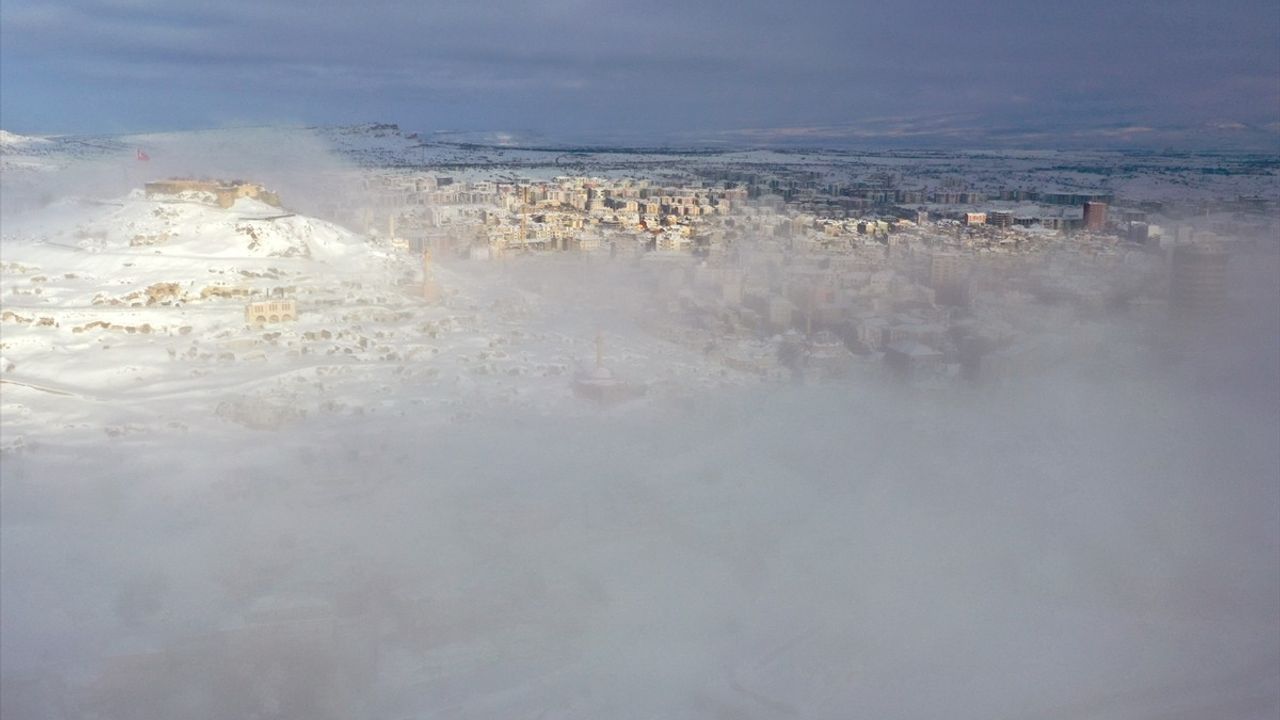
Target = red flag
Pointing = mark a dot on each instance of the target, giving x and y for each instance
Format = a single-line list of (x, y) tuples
[(143, 157)]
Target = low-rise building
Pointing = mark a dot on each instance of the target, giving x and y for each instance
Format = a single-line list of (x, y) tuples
[(271, 311)]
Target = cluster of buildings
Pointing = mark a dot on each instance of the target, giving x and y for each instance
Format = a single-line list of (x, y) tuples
[(784, 276), (490, 217), (924, 308)]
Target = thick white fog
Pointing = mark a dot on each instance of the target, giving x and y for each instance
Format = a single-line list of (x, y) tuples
[(1070, 548), (1099, 539)]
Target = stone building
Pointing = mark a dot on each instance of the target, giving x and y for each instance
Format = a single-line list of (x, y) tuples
[(221, 193), (271, 311)]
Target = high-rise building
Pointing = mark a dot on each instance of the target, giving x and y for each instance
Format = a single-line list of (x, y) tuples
[(949, 278), (1095, 215), (1198, 281)]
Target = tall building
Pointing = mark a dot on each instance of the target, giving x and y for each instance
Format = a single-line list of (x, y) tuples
[(949, 278), (1139, 232), (1095, 215), (1198, 281)]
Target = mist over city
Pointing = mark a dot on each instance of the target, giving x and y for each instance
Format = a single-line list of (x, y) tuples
[(579, 360)]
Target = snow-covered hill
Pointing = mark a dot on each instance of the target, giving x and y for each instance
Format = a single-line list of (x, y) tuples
[(120, 248), (188, 225), (14, 141), (131, 313), (99, 291)]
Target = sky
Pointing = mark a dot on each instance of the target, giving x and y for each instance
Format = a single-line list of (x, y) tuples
[(747, 69)]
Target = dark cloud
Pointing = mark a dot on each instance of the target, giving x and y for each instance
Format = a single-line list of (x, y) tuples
[(635, 68)]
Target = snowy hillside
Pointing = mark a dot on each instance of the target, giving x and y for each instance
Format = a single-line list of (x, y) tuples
[(99, 293), (130, 313), (13, 141), (138, 242)]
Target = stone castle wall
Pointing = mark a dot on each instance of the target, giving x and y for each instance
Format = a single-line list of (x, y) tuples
[(224, 194)]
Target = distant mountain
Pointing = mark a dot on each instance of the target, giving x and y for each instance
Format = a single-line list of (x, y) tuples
[(973, 132)]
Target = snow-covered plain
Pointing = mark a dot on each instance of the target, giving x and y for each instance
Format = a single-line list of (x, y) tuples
[(395, 508), (285, 157)]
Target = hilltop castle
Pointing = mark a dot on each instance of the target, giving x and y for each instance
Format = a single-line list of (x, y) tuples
[(217, 192)]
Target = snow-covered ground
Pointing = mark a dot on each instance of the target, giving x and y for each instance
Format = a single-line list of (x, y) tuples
[(132, 312), (283, 156), (398, 508)]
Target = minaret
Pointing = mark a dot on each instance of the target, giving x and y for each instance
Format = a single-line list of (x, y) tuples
[(599, 349)]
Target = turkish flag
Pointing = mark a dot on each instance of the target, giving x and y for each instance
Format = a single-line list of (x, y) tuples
[(143, 157)]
